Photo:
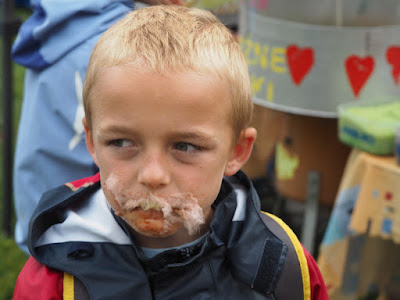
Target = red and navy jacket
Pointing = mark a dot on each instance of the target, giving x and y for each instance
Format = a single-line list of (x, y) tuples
[(246, 254)]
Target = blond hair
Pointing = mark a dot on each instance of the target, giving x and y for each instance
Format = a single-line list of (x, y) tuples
[(175, 39)]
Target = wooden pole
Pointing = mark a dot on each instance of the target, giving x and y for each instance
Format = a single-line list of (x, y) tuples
[(8, 29)]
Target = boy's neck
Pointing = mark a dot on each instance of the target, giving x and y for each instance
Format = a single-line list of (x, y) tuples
[(181, 237)]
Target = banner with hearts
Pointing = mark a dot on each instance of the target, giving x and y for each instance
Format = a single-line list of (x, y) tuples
[(300, 62), (311, 69), (358, 71)]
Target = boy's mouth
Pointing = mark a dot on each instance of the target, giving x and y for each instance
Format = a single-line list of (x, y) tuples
[(177, 208), (147, 204)]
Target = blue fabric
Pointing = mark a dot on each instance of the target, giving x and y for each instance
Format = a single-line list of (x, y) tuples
[(55, 45), (57, 26), (26, 49)]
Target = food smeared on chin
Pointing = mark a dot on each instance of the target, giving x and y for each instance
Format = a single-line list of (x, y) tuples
[(149, 222), (178, 208), (156, 216)]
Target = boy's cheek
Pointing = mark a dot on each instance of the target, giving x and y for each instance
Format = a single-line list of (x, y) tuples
[(113, 203)]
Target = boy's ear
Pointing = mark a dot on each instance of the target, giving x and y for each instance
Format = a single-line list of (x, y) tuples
[(89, 141), (241, 151)]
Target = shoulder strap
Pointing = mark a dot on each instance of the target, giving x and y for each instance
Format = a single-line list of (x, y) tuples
[(295, 273), (73, 288)]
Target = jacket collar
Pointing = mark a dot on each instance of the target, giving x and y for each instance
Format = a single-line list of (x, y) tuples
[(255, 255)]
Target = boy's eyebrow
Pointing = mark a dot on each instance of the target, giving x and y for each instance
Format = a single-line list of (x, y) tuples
[(196, 134), (113, 129), (185, 134)]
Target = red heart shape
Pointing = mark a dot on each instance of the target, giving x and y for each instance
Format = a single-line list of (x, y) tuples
[(300, 61), (393, 58), (358, 71)]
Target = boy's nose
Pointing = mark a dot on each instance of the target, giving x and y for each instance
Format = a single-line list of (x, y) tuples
[(154, 172)]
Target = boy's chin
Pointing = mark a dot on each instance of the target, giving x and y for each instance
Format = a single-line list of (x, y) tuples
[(151, 223)]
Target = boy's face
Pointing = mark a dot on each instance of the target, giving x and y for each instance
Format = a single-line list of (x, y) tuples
[(162, 144)]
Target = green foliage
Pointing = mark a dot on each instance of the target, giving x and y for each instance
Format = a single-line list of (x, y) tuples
[(12, 260)]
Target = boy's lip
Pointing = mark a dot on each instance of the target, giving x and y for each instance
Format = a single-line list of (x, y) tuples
[(150, 205), (177, 210), (156, 212), (150, 212), (176, 202)]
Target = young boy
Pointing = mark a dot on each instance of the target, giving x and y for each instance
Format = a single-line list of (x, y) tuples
[(170, 216)]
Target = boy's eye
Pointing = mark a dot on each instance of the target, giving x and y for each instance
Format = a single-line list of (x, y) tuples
[(121, 143), (186, 147)]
